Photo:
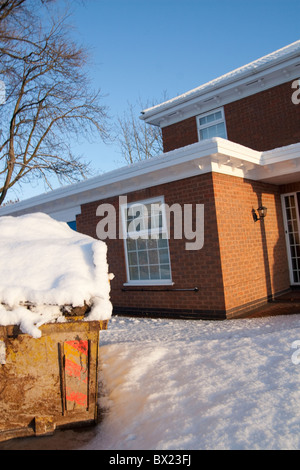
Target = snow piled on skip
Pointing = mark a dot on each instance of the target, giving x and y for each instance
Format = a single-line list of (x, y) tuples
[(45, 265)]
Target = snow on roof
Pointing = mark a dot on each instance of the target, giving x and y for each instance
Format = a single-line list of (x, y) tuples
[(260, 64), (49, 265)]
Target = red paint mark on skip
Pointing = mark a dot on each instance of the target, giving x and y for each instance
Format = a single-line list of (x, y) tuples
[(81, 346), (75, 370), (79, 398)]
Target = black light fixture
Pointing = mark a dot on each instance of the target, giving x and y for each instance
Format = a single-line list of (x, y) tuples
[(262, 212)]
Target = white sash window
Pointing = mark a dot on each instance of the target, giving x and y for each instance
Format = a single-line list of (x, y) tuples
[(146, 243), (212, 124)]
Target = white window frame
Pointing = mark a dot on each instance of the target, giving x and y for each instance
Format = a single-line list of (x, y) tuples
[(287, 234), (143, 234), (210, 124)]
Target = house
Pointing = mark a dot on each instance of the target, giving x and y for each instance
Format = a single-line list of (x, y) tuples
[(186, 238)]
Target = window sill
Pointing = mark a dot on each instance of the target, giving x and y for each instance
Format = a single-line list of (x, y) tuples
[(148, 284)]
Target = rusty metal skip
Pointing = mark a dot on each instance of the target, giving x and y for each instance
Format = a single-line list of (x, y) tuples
[(50, 382)]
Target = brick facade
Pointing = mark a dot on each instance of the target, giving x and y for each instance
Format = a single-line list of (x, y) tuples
[(189, 268), (241, 264), (263, 121), (180, 134), (253, 254)]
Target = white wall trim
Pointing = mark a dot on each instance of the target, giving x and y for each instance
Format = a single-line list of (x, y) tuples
[(276, 166)]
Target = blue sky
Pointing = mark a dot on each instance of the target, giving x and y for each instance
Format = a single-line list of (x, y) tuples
[(143, 48)]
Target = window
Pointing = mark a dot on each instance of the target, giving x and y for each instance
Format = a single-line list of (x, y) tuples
[(146, 243), (212, 124)]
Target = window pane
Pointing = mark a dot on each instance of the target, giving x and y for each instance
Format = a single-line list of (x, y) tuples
[(204, 134), (143, 258), (202, 121), (153, 257), (220, 132), (131, 244), (162, 243), (165, 271), (164, 256), (154, 272), (141, 244), (293, 251), (294, 263), (132, 259), (210, 118), (134, 273), (144, 272), (152, 244), (212, 132), (217, 130)]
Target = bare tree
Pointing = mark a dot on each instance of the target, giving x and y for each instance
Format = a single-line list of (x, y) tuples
[(9, 7), (137, 140), (49, 101)]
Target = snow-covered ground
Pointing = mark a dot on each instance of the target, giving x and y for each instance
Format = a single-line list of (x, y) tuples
[(184, 385)]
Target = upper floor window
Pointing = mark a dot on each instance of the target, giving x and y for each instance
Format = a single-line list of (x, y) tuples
[(212, 124)]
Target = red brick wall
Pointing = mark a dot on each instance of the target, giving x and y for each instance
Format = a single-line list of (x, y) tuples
[(262, 122), (266, 120), (253, 254), (189, 268), (180, 134), (290, 187)]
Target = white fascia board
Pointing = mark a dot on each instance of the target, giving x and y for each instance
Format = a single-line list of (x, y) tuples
[(281, 154), (239, 151), (120, 181), (217, 154), (280, 165), (178, 164)]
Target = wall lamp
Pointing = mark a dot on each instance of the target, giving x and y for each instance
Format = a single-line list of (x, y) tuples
[(262, 212)]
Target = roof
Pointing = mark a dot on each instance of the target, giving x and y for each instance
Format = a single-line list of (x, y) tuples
[(276, 166), (274, 68)]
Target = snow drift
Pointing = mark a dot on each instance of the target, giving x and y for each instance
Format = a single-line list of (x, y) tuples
[(45, 265)]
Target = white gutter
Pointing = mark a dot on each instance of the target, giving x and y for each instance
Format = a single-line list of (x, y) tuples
[(279, 60), (216, 154)]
